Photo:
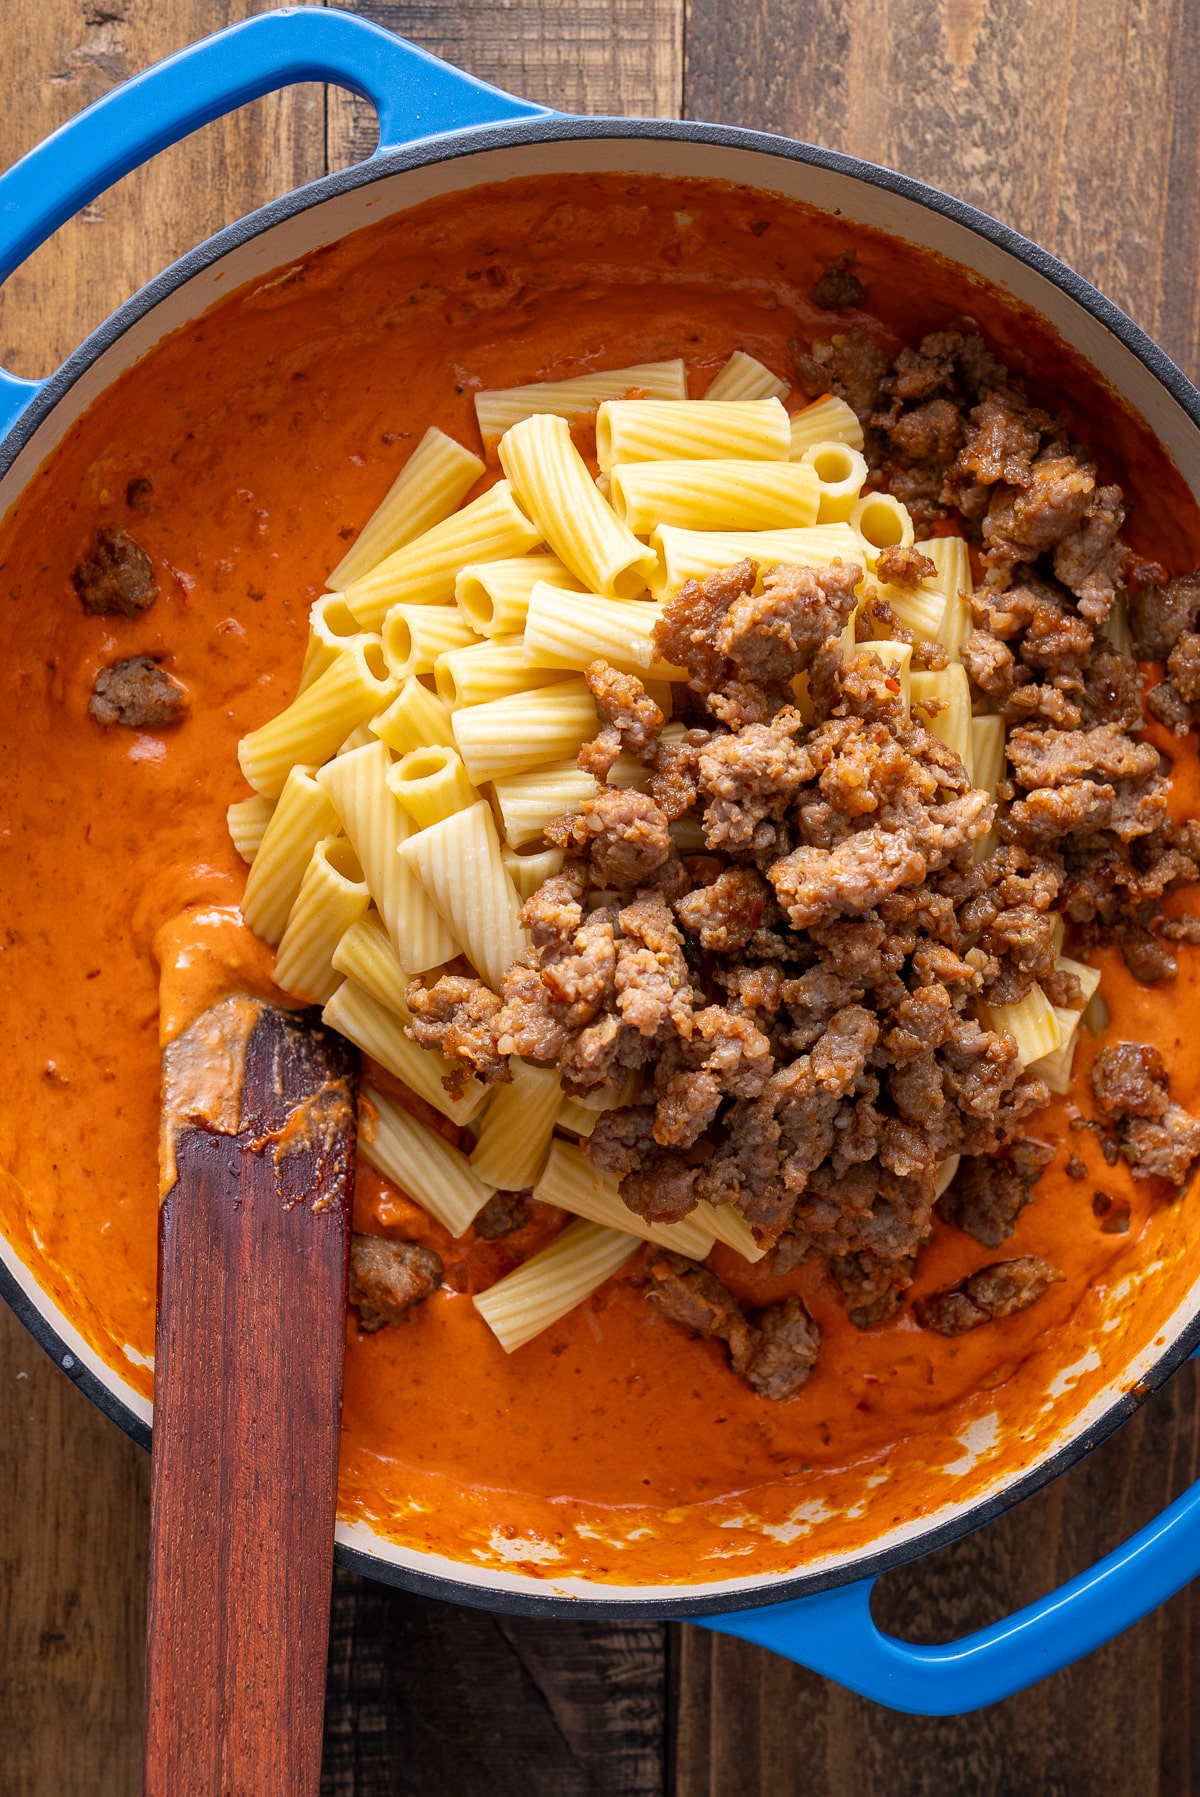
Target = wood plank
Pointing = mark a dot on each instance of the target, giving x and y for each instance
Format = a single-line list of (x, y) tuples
[(1027, 112), (59, 56), (74, 1506), (591, 56), (427, 1697)]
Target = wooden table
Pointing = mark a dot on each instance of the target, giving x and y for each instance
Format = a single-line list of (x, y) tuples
[(1077, 123)]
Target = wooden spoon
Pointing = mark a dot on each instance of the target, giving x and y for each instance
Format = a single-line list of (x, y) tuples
[(258, 1160)]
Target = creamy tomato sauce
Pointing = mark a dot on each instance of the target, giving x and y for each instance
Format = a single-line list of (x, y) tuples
[(613, 1446)]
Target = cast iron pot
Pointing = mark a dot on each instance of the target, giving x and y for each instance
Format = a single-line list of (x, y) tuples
[(442, 131)]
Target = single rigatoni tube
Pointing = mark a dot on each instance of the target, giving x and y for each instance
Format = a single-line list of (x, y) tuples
[(729, 1226), (494, 596), (1031, 1023), (333, 896), (1088, 977), (415, 635), (576, 1117), (572, 630), (377, 824), (499, 410), (951, 689), (332, 628), (433, 482), (551, 480), (514, 1137), (380, 1034), (528, 872), (526, 730), (414, 718), (302, 817), (636, 430), (839, 471), (491, 670), (1054, 1069), (527, 802), (573, 1183), (359, 738), (715, 495), (431, 784), (987, 738), (548, 1286), (987, 769), (247, 820), (458, 863), (425, 570), (880, 522), (311, 728), (920, 608), (952, 560), (695, 554), (421, 1162), (827, 420), (745, 377), (366, 956)]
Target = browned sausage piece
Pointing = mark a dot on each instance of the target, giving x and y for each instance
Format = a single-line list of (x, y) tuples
[(118, 577), (1000, 1290), (387, 1278), (137, 694)]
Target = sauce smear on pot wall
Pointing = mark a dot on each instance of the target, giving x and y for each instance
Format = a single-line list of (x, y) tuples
[(612, 1447)]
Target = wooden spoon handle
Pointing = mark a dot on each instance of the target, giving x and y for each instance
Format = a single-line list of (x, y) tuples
[(248, 1374)]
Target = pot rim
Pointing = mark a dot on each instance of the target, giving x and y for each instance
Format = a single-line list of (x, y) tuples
[(658, 1604)]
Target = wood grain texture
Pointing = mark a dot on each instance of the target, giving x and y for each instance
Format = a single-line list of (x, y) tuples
[(1074, 120), (594, 56), (254, 1241), (59, 56), (426, 1698)]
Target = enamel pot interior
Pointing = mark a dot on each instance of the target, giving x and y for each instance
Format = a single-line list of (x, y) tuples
[(1003, 1442)]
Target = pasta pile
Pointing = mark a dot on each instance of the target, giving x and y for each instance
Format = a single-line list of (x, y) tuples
[(400, 800)]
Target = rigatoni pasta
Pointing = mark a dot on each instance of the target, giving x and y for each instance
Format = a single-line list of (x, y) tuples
[(318, 721), (458, 863), (572, 630), (490, 670), (507, 736), (302, 816), (838, 470), (514, 1137), (553, 1282), (420, 1162), (433, 482), (695, 554), (377, 824), (502, 407), (826, 420), (333, 897), (424, 572), (431, 784), (247, 820), (332, 628), (415, 718), (745, 377), (493, 597), (574, 1184), (719, 495), (551, 479), (636, 430), (415, 635), (366, 956), (380, 1033)]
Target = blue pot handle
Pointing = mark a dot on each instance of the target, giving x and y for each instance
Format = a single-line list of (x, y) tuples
[(835, 1634), (415, 95)]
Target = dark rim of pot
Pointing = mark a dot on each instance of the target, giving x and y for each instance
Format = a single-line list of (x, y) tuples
[(658, 1604)]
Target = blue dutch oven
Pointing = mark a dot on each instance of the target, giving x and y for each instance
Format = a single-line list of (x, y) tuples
[(439, 131)]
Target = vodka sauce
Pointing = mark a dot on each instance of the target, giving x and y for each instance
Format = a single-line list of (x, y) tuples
[(612, 1447)]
